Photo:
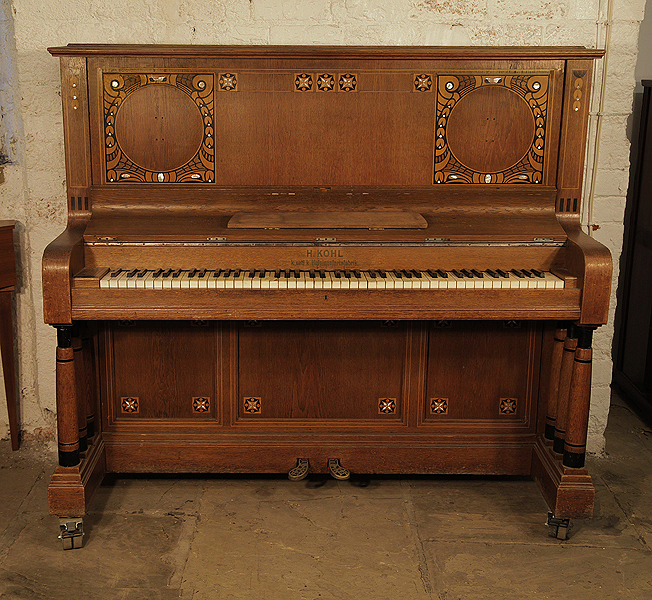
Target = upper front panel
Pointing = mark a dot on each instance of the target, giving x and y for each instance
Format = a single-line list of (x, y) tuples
[(324, 122)]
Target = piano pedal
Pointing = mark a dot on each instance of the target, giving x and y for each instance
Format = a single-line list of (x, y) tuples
[(558, 528), (300, 471), (337, 470)]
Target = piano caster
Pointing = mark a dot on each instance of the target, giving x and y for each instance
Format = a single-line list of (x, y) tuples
[(337, 470), (71, 532), (300, 471), (558, 528)]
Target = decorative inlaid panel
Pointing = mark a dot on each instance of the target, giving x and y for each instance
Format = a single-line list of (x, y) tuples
[(159, 128), (491, 128)]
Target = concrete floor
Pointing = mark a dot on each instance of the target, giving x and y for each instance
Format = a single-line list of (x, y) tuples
[(367, 539)]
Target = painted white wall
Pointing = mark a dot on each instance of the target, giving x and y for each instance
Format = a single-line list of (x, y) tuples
[(33, 191)]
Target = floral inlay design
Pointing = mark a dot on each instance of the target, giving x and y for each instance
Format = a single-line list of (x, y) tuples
[(423, 82), (303, 82), (201, 404), (348, 82), (129, 404), (387, 406), (228, 81), (325, 82), (508, 406), (438, 406), (252, 405)]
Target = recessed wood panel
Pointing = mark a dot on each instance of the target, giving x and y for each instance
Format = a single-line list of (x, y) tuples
[(490, 129), (159, 128), (480, 371), (168, 367), (322, 370)]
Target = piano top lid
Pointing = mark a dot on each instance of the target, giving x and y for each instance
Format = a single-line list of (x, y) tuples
[(358, 52)]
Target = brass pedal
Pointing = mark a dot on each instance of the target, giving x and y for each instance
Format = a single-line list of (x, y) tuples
[(300, 471), (337, 470)]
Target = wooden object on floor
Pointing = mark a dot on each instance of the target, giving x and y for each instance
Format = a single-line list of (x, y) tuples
[(293, 165), (7, 284)]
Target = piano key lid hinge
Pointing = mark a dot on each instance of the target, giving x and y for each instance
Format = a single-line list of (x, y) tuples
[(216, 239)]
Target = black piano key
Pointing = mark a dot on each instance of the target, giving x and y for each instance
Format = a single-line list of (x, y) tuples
[(517, 273), (432, 273), (347, 273), (382, 273), (356, 274), (156, 274), (397, 273), (116, 273), (502, 273), (338, 275), (491, 273), (407, 274), (237, 272), (538, 273), (322, 274), (176, 274), (277, 273), (251, 274), (457, 273), (442, 274), (132, 273), (467, 273), (527, 273), (261, 274), (477, 273), (141, 273), (373, 274), (201, 273), (167, 273), (216, 272), (192, 273), (417, 274)]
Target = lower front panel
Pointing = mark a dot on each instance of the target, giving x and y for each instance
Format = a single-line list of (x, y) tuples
[(382, 396)]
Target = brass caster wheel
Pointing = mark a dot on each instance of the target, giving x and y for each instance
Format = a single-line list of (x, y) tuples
[(71, 532), (558, 528), (300, 471), (337, 470)]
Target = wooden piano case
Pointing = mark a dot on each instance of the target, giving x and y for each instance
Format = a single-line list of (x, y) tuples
[(349, 162)]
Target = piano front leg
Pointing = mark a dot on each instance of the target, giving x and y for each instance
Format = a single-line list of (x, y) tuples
[(79, 471), (67, 409), (579, 402)]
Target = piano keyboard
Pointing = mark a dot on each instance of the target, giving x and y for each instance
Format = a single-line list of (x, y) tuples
[(254, 279)]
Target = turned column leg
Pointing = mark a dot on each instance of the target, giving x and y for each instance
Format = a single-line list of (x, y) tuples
[(553, 388), (80, 383), (67, 413), (579, 401), (565, 376)]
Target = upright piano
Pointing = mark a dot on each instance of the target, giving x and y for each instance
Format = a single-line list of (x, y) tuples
[(325, 260)]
